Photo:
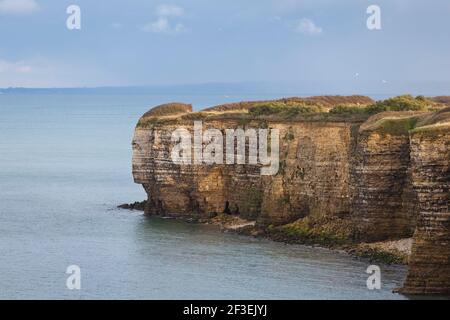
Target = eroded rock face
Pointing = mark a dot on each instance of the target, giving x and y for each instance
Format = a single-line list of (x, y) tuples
[(313, 177), (314, 173), (191, 190), (384, 204), (381, 178), (430, 259)]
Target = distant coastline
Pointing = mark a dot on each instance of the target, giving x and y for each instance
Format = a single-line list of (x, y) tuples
[(281, 89)]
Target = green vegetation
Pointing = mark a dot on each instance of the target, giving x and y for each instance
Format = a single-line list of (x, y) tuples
[(322, 101), (283, 109), (401, 103), (432, 130), (397, 126), (289, 108), (349, 109), (328, 232)]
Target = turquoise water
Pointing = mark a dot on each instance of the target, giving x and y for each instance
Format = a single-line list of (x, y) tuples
[(65, 163)]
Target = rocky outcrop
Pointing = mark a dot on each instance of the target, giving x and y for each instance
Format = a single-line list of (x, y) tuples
[(341, 178), (313, 175), (139, 206), (384, 204), (430, 165)]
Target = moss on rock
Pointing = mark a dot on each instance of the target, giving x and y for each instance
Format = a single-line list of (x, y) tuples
[(325, 231)]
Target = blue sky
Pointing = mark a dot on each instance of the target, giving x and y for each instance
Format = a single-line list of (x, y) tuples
[(144, 42)]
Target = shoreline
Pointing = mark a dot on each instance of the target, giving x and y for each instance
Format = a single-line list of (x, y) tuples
[(395, 252)]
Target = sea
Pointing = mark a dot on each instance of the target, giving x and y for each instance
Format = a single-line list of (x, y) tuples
[(65, 165)]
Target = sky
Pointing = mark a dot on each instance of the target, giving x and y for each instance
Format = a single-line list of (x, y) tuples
[(312, 43)]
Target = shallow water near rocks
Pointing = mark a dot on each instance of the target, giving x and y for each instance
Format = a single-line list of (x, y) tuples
[(65, 163)]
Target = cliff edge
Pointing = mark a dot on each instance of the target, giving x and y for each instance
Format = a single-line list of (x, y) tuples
[(349, 170)]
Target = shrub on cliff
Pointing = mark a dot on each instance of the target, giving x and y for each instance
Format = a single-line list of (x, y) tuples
[(325, 102), (401, 103), (291, 108), (283, 109), (349, 109)]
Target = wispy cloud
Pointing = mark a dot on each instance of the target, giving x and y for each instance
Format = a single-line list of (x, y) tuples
[(164, 24), (14, 67), (168, 10), (116, 25), (307, 26), (44, 72), (18, 6)]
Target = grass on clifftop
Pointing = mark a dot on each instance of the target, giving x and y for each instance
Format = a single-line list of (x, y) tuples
[(433, 130), (400, 103), (326, 102), (169, 109), (434, 124), (287, 109), (350, 109), (404, 123), (397, 126), (283, 109)]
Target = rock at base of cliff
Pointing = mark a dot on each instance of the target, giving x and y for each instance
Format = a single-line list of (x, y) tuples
[(139, 206), (389, 252)]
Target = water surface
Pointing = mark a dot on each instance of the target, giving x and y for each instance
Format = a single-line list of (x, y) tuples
[(65, 163)]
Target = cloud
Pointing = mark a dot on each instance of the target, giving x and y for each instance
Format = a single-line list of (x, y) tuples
[(167, 10), (116, 25), (163, 23), (18, 6), (8, 67), (307, 26)]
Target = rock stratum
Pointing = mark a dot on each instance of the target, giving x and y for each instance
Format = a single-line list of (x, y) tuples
[(351, 170)]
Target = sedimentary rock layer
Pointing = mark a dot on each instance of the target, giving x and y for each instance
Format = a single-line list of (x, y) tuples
[(430, 166), (383, 178)]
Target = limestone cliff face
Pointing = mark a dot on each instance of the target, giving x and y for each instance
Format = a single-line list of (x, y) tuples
[(384, 178), (384, 204), (313, 177), (191, 190), (314, 173), (430, 162)]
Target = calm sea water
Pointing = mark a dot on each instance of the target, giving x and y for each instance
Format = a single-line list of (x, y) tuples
[(65, 163)]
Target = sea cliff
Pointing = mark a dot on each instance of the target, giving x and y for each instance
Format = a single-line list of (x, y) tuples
[(351, 171)]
